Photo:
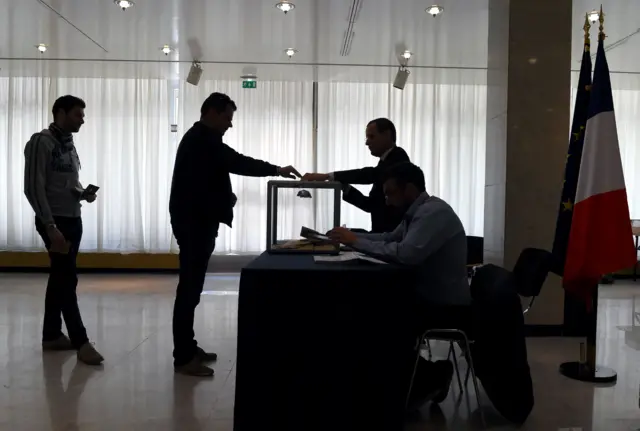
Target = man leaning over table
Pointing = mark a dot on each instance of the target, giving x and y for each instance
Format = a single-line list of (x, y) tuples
[(381, 141), (431, 239)]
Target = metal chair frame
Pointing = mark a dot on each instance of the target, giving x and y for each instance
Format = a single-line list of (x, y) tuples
[(457, 336)]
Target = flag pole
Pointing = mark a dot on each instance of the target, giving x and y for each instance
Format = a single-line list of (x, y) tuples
[(586, 369)]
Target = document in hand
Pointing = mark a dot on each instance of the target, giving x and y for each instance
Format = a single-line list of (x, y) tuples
[(313, 235)]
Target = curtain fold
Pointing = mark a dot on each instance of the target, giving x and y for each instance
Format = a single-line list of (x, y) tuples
[(126, 147)]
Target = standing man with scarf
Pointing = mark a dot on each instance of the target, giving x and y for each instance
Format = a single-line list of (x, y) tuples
[(52, 186)]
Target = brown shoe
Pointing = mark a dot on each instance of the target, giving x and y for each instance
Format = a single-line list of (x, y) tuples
[(59, 344), (194, 368), (89, 355)]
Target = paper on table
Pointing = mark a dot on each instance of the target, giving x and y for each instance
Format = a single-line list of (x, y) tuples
[(342, 257), (370, 259), (347, 256)]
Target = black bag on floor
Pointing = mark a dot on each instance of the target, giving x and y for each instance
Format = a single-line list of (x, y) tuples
[(499, 351)]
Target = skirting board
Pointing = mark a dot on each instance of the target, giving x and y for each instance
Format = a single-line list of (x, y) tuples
[(118, 263)]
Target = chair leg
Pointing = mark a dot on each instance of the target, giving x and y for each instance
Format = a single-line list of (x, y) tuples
[(413, 376), (475, 385), (452, 352), (466, 378)]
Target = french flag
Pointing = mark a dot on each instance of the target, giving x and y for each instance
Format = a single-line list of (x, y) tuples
[(601, 241)]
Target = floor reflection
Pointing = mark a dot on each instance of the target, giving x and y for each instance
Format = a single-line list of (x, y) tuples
[(129, 318)]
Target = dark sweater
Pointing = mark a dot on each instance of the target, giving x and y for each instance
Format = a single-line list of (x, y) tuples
[(384, 218), (201, 186)]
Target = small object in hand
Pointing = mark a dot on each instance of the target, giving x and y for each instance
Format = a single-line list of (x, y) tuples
[(89, 194), (304, 194), (91, 190)]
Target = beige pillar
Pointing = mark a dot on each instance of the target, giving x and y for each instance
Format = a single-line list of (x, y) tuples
[(527, 134)]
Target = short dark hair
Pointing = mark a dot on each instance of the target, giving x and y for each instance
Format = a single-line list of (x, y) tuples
[(384, 124), (66, 104), (218, 102), (406, 173)]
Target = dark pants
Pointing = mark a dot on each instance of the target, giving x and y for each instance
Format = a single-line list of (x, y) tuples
[(196, 242), (61, 299)]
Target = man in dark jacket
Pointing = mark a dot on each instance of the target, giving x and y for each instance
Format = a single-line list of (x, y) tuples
[(201, 199), (381, 140)]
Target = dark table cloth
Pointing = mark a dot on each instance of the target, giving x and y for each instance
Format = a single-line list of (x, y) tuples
[(319, 345)]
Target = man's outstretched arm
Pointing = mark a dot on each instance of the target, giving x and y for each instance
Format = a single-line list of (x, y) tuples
[(240, 164)]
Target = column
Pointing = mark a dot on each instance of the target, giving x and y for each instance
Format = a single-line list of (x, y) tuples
[(528, 110)]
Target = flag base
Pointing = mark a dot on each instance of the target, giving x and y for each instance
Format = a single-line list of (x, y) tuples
[(584, 373)]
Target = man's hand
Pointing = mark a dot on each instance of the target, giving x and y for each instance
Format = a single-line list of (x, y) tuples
[(289, 172), (315, 177), (90, 198), (59, 243), (342, 235)]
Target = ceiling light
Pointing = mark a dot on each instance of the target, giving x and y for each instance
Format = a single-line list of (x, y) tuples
[(42, 48), (285, 6), (594, 16), (406, 55), (124, 4), (166, 49), (434, 10), (291, 52)]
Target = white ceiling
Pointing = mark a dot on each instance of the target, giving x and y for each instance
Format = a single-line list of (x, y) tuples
[(96, 38), (241, 32)]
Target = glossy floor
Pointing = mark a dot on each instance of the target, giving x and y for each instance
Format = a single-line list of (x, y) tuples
[(129, 317)]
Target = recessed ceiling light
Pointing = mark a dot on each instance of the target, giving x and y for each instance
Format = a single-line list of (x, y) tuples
[(594, 16), (406, 55), (124, 4), (166, 49), (291, 52), (285, 6), (42, 48), (434, 10)]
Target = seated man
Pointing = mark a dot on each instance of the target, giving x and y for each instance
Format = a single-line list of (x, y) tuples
[(431, 239)]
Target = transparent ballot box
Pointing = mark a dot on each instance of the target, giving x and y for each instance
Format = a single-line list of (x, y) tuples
[(299, 213)]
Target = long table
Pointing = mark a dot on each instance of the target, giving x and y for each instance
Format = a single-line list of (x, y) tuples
[(318, 345)]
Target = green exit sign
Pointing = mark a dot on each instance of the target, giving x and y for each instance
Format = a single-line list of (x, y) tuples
[(249, 84)]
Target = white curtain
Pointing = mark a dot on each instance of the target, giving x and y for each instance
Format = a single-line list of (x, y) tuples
[(127, 149), (124, 148), (441, 126), (274, 122)]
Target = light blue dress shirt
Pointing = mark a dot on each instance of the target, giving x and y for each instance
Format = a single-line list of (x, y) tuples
[(431, 238)]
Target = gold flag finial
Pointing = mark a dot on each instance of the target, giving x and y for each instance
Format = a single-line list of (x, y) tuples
[(601, 34), (587, 28)]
